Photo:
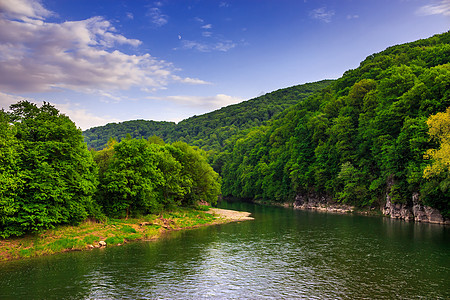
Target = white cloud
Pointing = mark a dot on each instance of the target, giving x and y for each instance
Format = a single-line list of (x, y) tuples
[(23, 9), (208, 102), (440, 8), (189, 80), (82, 118), (207, 33), (223, 46), (207, 26), (79, 116), (38, 56), (6, 100), (157, 17), (130, 15), (322, 14)]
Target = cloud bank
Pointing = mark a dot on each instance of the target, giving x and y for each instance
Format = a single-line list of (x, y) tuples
[(40, 56), (440, 8)]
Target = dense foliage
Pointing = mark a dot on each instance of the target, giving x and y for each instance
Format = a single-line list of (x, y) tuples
[(97, 137), (48, 177), (141, 176), (209, 131), (360, 138)]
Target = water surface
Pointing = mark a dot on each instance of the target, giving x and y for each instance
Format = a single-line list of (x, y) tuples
[(281, 254)]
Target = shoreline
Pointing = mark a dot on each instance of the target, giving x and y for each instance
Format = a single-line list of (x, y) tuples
[(113, 232), (416, 214)]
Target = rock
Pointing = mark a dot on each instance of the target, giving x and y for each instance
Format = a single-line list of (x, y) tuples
[(401, 211), (90, 246), (417, 212), (320, 203), (102, 244)]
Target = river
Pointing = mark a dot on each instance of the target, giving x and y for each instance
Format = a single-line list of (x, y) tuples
[(282, 254)]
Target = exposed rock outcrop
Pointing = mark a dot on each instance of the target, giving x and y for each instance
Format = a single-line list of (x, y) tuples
[(397, 211), (320, 203), (415, 212), (403, 211)]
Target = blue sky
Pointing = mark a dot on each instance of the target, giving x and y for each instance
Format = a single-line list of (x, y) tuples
[(102, 61)]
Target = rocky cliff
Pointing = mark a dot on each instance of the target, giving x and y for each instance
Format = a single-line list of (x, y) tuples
[(415, 212), (409, 212)]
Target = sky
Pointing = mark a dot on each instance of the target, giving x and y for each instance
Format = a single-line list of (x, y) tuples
[(103, 61)]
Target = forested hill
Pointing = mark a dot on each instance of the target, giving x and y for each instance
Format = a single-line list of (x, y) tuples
[(210, 130), (97, 137), (383, 128)]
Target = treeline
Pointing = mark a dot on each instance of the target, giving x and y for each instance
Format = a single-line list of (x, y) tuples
[(98, 137), (49, 177), (212, 130), (358, 139)]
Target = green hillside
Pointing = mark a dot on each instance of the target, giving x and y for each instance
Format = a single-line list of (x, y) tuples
[(210, 130), (360, 138), (97, 137), (355, 140)]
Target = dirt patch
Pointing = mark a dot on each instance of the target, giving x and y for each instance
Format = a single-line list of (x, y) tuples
[(231, 215)]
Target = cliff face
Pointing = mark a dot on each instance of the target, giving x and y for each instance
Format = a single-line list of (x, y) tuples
[(416, 212)]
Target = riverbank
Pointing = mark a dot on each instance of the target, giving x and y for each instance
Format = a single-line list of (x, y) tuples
[(414, 211), (113, 232)]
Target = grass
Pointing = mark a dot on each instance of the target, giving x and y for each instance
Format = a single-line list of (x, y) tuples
[(113, 231)]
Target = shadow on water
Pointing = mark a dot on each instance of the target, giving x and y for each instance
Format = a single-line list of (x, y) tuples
[(283, 253)]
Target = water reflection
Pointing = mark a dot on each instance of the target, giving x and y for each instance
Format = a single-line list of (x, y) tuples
[(281, 254)]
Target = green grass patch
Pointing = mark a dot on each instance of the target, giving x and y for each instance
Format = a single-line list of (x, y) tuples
[(90, 239), (189, 217), (134, 236), (114, 240), (203, 207), (64, 243), (128, 229), (151, 232), (149, 218), (26, 253)]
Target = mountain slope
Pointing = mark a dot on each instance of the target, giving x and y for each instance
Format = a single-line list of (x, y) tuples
[(210, 130), (361, 138)]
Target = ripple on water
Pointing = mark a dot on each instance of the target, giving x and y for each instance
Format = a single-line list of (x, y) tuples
[(282, 254)]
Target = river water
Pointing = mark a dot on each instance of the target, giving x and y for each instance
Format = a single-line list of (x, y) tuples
[(282, 254)]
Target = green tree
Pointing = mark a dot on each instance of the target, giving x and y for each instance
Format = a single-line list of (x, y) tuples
[(439, 130), (128, 185), (57, 171), (11, 178), (352, 186), (206, 183)]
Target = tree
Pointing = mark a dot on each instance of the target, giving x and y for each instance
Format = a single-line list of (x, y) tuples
[(128, 184), (206, 182), (58, 176), (11, 177), (439, 130)]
